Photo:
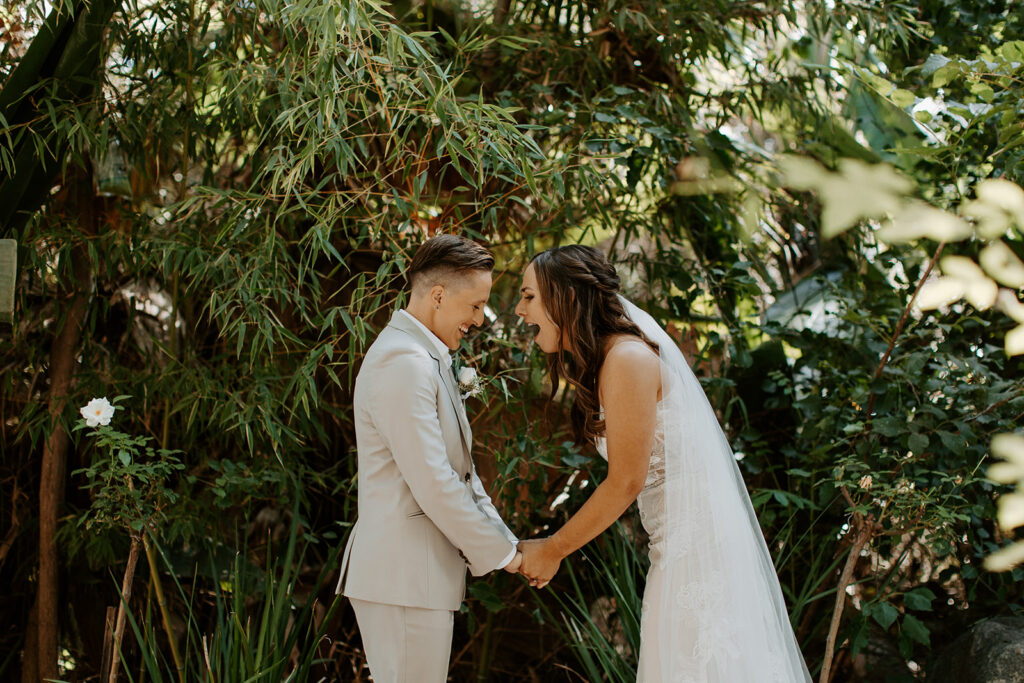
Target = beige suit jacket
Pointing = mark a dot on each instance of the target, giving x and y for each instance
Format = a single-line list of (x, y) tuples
[(423, 513)]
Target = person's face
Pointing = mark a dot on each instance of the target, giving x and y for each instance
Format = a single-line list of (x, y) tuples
[(532, 311), (460, 306)]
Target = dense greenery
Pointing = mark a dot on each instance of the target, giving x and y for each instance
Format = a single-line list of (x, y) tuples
[(214, 201)]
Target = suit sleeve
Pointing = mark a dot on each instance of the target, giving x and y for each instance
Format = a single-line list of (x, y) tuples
[(404, 406), (485, 503)]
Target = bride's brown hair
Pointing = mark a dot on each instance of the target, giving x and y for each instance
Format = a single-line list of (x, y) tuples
[(579, 289)]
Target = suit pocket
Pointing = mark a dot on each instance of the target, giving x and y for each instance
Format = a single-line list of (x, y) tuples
[(418, 513)]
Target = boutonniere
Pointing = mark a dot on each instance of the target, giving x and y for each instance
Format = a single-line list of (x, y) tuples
[(470, 383)]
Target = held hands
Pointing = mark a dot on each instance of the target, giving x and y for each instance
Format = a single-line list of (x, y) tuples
[(540, 561), (513, 566)]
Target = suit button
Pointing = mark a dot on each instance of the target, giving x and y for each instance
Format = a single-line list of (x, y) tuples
[(467, 476)]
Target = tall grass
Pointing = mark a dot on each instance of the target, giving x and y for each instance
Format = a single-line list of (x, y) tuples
[(257, 629), (600, 606)]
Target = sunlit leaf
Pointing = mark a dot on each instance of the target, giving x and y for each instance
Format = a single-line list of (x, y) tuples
[(1009, 447), (939, 292), (1006, 472), (979, 289), (1011, 510), (1001, 263), (1014, 341), (902, 98), (802, 173), (918, 220), (1003, 194), (858, 191), (1000, 203), (1010, 305), (1005, 559)]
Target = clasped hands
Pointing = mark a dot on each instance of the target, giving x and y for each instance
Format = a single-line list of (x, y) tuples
[(537, 560)]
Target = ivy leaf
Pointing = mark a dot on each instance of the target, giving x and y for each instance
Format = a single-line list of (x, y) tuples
[(933, 64), (951, 441), (919, 599), (914, 629), (860, 637), (889, 426), (488, 597), (885, 614), (917, 443)]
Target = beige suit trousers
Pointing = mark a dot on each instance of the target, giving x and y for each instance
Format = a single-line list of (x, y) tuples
[(405, 644)]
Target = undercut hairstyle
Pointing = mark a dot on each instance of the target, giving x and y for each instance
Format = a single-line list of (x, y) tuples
[(444, 257), (579, 289)]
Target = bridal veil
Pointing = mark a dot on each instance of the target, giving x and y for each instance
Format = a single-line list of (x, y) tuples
[(720, 616)]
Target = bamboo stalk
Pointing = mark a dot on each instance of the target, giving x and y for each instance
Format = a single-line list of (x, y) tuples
[(161, 602), (126, 594), (108, 642)]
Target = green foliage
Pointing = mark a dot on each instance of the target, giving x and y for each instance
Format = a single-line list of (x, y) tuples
[(256, 626), (247, 181), (600, 605), (128, 481)]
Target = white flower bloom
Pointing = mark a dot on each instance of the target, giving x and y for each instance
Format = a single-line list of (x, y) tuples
[(469, 382), (467, 376), (97, 412)]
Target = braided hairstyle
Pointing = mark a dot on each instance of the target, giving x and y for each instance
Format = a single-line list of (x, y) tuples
[(579, 289)]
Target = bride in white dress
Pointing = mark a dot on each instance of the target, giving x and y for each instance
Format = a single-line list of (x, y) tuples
[(713, 610)]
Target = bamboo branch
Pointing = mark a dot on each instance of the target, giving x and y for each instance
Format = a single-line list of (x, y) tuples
[(901, 324), (126, 594), (864, 530)]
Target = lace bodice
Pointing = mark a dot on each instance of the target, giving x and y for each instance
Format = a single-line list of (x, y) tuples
[(651, 500)]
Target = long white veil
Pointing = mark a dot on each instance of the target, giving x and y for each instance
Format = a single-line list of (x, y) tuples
[(722, 617)]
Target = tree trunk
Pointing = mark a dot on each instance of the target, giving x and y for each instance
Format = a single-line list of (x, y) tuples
[(51, 482), (29, 656)]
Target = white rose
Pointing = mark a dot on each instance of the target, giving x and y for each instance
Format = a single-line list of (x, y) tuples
[(467, 376), (97, 412)]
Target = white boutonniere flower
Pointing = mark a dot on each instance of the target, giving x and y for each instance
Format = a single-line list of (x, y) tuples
[(97, 412), (469, 382)]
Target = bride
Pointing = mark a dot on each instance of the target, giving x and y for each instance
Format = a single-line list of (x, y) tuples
[(713, 611)]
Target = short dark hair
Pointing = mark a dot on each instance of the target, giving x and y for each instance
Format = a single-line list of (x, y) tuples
[(444, 255)]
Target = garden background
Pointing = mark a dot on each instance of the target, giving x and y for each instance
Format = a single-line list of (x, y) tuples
[(211, 203)]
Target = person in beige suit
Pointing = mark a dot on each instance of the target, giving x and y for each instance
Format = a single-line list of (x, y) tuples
[(424, 515)]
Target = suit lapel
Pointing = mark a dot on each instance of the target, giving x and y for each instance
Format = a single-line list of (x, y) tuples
[(402, 323), (460, 408)]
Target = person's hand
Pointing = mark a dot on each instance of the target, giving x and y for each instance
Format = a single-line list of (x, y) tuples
[(540, 561), (513, 566)]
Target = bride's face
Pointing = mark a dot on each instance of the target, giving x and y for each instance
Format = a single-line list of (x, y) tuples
[(531, 309)]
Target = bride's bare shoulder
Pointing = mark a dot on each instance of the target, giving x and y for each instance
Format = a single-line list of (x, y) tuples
[(630, 357), (627, 348)]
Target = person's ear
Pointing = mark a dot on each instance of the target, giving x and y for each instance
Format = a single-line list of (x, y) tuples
[(436, 295)]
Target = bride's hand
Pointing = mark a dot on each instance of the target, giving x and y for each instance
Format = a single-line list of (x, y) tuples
[(540, 561)]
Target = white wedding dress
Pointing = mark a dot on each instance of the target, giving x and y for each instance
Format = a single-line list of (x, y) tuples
[(713, 610)]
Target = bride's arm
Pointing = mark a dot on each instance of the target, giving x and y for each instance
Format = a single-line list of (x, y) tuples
[(630, 380)]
